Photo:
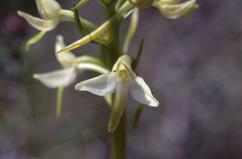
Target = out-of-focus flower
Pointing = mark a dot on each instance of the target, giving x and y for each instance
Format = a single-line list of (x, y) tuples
[(173, 9), (49, 12), (66, 76), (70, 64)]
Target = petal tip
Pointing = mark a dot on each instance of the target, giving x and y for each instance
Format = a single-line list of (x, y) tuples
[(35, 76), (78, 87), (154, 103), (20, 13)]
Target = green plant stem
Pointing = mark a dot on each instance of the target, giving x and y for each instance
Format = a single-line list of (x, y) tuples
[(110, 54), (119, 140)]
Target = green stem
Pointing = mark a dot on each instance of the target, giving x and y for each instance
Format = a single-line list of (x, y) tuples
[(119, 140), (110, 54)]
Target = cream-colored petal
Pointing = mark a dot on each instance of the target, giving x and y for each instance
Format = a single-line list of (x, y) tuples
[(48, 9), (102, 85), (59, 78), (141, 92), (66, 59), (37, 23), (92, 67), (174, 11)]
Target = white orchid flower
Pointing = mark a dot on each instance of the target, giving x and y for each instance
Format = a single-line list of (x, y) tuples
[(121, 73), (66, 76), (173, 9), (123, 81), (71, 64), (49, 12)]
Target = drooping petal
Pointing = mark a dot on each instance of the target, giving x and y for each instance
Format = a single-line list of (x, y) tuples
[(37, 23), (48, 9), (141, 92), (66, 59), (102, 85), (59, 78), (118, 106)]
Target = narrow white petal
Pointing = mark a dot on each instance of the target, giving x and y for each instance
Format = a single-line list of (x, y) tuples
[(66, 59), (92, 67), (59, 44), (141, 92), (102, 85), (59, 78), (37, 23), (48, 9)]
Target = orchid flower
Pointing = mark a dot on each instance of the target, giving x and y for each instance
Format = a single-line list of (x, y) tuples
[(173, 9), (49, 11), (71, 64), (51, 14), (123, 81)]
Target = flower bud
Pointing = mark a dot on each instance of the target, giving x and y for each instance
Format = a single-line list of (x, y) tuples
[(142, 3), (172, 9)]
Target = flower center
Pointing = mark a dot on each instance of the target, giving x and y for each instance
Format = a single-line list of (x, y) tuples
[(123, 72)]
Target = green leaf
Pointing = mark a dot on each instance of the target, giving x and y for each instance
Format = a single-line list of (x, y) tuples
[(140, 50)]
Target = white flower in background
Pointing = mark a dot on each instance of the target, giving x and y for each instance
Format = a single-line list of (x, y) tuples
[(49, 12), (71, 64), (123, 77), (66, 76), (174, 8)]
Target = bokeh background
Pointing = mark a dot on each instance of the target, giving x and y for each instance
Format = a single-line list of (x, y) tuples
[(193, 65)]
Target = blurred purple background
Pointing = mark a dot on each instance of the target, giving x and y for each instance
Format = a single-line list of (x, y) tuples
[(193, 65)]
